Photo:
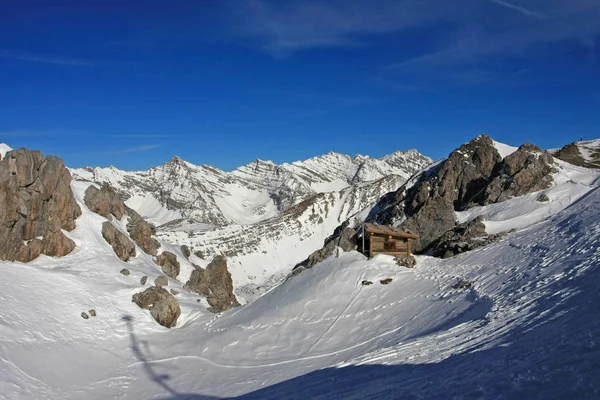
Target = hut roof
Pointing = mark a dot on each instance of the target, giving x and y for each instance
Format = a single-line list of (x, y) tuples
[(389, 230)]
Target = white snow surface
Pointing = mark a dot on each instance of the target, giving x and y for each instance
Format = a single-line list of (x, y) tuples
[(4, 148), (526, 326), (504, 149)]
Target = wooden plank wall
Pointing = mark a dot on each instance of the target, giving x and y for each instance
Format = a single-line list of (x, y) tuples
[(377, 245)]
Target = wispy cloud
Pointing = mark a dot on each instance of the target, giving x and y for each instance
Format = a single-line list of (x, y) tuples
[(474, 27), (128, 150), (45, 59), (520, 9)]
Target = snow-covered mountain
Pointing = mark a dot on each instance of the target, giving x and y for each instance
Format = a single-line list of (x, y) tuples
[(514, 319), (249, 194), (585, 153)]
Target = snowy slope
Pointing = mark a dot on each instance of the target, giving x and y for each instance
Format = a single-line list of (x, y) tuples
[(527, 326), (249, 194), (262, 254)]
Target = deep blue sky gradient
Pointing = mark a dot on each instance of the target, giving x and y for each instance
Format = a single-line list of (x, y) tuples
[(131, 83)]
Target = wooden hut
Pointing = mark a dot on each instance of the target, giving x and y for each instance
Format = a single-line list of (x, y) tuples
[(385, 239)]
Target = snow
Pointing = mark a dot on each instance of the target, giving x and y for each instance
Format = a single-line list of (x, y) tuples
[(4, 148), (152, 210), (570, 184), (504, 149), (526, 327)]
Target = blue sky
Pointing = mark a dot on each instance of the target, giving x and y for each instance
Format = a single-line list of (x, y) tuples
[(131, 83)]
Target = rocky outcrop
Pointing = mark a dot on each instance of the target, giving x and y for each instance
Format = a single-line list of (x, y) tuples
[(161, 281), (582, 153), (105, 201), (405, 261), (163, 307), (527, 170), (141, 231), (36, 202), (474, 174), (464, 237), (215, 283), (185, 250), (169, 264), (121, 245)]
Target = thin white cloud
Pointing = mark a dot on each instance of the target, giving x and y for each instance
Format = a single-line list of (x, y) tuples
[(44, 59), (128, 150), (520, 9)]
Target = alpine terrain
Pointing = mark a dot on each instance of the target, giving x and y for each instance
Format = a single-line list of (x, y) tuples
[(188, 282)]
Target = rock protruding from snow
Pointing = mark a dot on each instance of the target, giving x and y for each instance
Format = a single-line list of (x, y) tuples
[(36, 202), (169, 264), (105, 201), (583, 153), (464, 237), (141, 231), (527, 170), (215, 283), (163, 307), (121, 245)]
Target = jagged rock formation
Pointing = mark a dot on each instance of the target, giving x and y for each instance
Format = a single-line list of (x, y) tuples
[(106, 202), (181, 190), (36, 202), (122, 246), (163, 307), (215, 283), (464, 237), (169, 264), (473, 174), (141, 232), (584, 153)]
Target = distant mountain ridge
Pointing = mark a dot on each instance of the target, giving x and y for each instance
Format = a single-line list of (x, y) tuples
[(249, 194)]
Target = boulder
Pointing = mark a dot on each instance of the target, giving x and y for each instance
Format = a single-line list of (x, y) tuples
[(121, 245), (199, 254), (542, 198), (141, 231), (143, 280), (92, 312), (186, 251), (105, 201), (161, 281), (464, 237), (36, 202), (169, 264), (215, 282), (125, 272), (163, 307), (84, 315), (405, 261)]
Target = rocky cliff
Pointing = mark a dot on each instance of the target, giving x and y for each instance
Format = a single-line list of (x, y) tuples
[(36, 204)]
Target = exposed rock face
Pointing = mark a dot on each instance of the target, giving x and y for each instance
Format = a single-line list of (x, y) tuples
[(525, 171), (163, 307), (169, 264), (105, 201), (215, 283), (583, 153), (35, 201), (474, 174), (464, 237), (141, 231), (122, 246)]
